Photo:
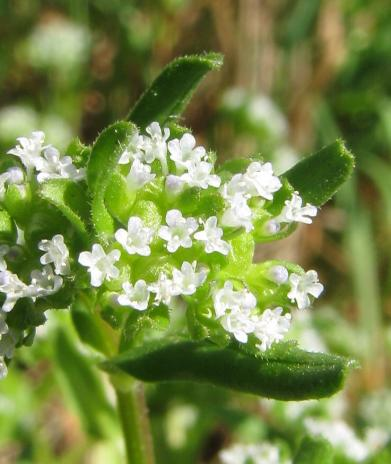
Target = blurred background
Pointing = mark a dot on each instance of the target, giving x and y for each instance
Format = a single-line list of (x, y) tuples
[(297, 75)]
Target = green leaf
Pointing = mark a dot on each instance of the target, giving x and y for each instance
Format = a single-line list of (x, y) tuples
[(71, 200), (170, 92), (320, 175), (83, 384), (314, 450), (103, 161), (7, 228), (285, 373)]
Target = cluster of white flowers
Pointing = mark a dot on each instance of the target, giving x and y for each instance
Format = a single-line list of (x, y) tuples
[(43, 282), (45, 159), (182, 165), (264, 453)]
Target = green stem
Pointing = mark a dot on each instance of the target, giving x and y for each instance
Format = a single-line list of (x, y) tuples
[(133, 414)]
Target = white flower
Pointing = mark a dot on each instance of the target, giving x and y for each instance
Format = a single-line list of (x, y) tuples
[(164, 289), (133, 150), (302, 286), (228, 299), (211, 235), (137, 238), (340, 435), (155, 146), (43, 283), (56, 253), (100, 265), (13, 287), (54, 166), (199, 175), (278, 274), (139, 175), (187, 280), (225, 298), (136, 296), (270, 327), (14, 176), (293, 211), (239, 324), (238, 214), (184, 151), (260, 180), (178, 231), (29, 149), (174, 184), (264, 453), (235, 186)]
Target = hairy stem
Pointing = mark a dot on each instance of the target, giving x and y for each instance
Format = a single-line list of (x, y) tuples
[(133, 415)]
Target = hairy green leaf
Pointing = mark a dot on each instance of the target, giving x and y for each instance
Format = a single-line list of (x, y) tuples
[(285, 373), (7, 228), (103, 160), (314, 450), (71, 200), (170, 92), (320, 175)]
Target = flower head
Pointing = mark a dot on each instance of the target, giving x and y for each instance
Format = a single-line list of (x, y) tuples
[(211, 236), (136, 296), (51, 165), (199, 175), (43, 283), (56, 253), (187, 280), (260, 180), (14, 289), (184, 151), (133, 150), (239, 324), (293, 211), (270, 327), (164, 289), (155, 146), (100, 265), (29, 149), (238, 214), (139, 175), (302, 286), (177, 233), (137, 238)]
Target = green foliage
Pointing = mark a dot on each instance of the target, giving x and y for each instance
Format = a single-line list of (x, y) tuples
[(168, 95), (284, 372), (314, 450)]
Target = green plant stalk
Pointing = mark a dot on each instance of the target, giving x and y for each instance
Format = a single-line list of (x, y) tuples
[(133, 415)]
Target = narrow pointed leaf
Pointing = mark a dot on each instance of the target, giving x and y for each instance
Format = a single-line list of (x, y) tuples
[(170, 92), (102, 163), (320, 175), (285, 373), (71, 200), (314, 450)]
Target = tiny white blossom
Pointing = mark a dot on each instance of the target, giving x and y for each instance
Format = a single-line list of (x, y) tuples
[(139, 175), (272, 227), (187, 280), (133, 150), (270, 327), (184, 151), (239, 324), (13, 176), (278, 274), (155, 146), (211, 235), (302, 286), (44, 282), (174, 184), (199, 175), (236, 186), (136, 296), (54, 166), (137, 238), (13, 287), (56, 253), (264, 453), (227, 298), (29, 149), (238, 214), (164, 289), (100, 265), (260, 180), (177, 233), (293, 211)]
